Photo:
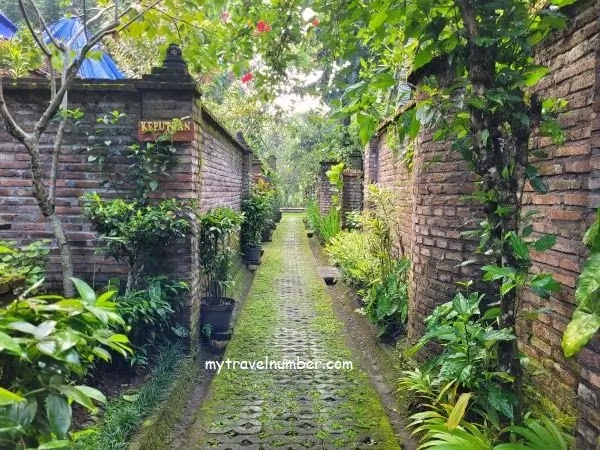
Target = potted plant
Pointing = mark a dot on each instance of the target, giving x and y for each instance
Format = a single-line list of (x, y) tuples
[(255, 209), (217, 259)]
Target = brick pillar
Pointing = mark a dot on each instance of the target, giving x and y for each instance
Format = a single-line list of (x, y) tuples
[(170, 92), (352, 196), (324, 188)]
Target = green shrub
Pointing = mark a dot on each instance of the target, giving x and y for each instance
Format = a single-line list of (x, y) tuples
[(217, 257), (258, 215), (26, 263), (445, 425), (329, 225), (313, 216), (371, 258), (150, 316), (470, 340), (47, 344), (350, 251), (387, 299), (132, 232)]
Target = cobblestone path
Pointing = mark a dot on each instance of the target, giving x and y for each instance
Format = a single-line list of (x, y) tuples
[(288, 316)]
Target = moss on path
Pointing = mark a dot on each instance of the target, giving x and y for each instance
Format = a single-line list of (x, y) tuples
[(288, 316)]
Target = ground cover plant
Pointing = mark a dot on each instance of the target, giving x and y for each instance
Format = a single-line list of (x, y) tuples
[(370, 256), (49, 344)]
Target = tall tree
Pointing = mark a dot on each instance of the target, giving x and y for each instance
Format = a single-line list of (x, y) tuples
[(105, 20)]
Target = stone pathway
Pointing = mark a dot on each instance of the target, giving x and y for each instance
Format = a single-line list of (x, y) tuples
[(288, 316)]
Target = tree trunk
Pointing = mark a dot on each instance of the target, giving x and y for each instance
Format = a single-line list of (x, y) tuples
[(49, 211), (493, 154)]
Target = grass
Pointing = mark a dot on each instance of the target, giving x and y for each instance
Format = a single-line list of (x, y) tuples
[(124, 416)]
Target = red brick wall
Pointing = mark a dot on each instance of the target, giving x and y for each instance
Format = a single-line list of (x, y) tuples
[(572, 172), (212, 169), (221, 165), (384, 167)]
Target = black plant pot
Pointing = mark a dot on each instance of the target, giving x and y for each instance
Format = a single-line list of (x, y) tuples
[(266, 235), (252, 254), (310, 233), (216, 312)]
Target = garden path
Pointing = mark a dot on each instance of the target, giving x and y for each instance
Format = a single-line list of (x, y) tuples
[(288, 316)]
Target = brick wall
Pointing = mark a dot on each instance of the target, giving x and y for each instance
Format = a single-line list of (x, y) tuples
[(352, 195), (212, 169), (221, 164), (324, 188), (572, 171)]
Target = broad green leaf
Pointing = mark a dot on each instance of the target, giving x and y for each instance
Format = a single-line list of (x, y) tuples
[(519, 246), (458, 411), (492, 273), (588, 282), (579, 331), (4, 249), (9, 343), (545, 242), (23, 327), (91, 392), (59, 414), (535, 74), (9, 398), (423, 57), (44, 329), (378, 19), (101, 353), (561, 3), (86, 293)]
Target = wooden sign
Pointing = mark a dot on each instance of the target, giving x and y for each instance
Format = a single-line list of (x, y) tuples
[(181, 130)]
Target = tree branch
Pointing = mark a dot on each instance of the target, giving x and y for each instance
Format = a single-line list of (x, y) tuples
[(57, 44), (11, 125), (40, 42), (56, 158)]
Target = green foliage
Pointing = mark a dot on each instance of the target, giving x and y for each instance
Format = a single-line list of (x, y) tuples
[(151, 161), (48, 344), (313, 215), (150, 316), (351, 252), (26, 263), (329, 225), (387, 299), (217, 257), (131, 231), (257, 208), (585, 322), (446, 419), (123, 416), (470, 341), (371, 259), (19, 55)]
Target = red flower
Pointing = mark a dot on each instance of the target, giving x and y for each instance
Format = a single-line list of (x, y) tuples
[(247, 77), (225, 17), (262, 26), (315, 22)]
